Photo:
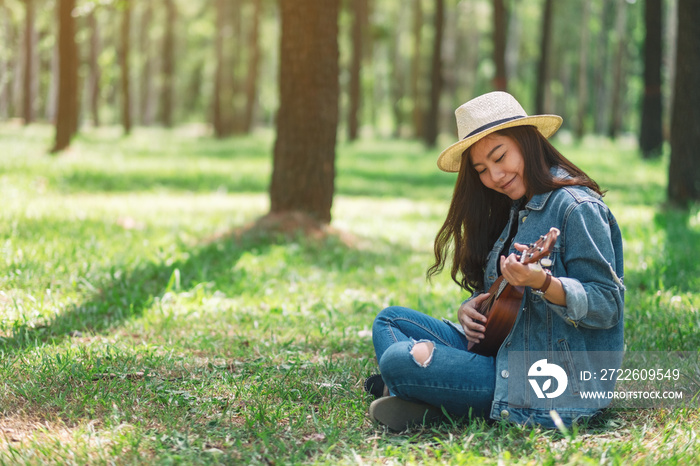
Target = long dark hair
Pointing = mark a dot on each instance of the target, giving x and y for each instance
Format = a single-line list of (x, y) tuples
[(477, 214)]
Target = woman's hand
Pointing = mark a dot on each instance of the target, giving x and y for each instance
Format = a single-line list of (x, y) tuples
[(518, 274), (471, 319), (531, 275)]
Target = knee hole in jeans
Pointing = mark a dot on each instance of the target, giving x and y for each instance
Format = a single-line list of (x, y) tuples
[(422, 352)]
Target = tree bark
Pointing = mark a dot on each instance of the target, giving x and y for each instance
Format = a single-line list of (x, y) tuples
[(124, 65), (436, 81), (651, 137), (669, 60), (618, 66), (684, 169), (468, 42), (304, 155), (545, 52), (514, 38), (398, 72), (222, 101), (216, 110), (28, 94), (500, 30), (6, 63), (146, 94), (416, 94), (168, 71), (580, 128), (236, 55), (15, 87), (4, 68), (251, 88), (52, 92), (67, 111), (95, 72), (603, 63), (359, 9)]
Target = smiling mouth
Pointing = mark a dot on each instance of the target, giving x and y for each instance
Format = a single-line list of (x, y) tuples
[(505, 186)]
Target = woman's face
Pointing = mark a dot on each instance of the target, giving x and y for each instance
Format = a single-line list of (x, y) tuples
[(500, 165)]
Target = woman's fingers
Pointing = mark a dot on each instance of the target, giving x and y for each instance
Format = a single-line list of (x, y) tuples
[(519, 274), (471, 320)]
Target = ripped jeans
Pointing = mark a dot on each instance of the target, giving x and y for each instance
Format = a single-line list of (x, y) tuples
[(452, 377)]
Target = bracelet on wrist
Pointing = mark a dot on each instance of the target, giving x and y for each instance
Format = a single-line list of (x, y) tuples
[(547, 281)]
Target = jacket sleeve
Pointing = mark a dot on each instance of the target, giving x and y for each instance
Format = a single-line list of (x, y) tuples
[(594, 289)]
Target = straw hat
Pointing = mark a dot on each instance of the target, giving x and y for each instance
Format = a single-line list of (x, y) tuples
[(484, 115)]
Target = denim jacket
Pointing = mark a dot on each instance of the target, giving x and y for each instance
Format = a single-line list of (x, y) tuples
[(587, 258)]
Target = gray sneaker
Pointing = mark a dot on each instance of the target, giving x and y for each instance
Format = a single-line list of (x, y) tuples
[(398, 414)]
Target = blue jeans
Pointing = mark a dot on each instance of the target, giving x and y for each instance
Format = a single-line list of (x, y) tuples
[(454, 378)]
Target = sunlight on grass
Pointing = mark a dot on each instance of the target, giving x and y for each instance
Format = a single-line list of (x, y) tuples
[(141, 320)]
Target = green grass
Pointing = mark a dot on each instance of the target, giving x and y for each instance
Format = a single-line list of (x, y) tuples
[(136, 326)]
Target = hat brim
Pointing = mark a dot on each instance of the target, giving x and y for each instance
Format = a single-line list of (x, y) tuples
[(451, 158)]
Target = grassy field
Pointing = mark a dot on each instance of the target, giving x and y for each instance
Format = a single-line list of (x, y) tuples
[(143, 321)]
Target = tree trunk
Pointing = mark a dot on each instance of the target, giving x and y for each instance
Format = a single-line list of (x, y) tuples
[(95, 72), (618, 66), (580, 128), (6, 65), (359, 8), (52, 93), (16, 94), (28, 94), (67, 112), (603, 65), (168, 71), (146, 94), (514, 39), (416, 94), (545, 52), (124, 65), (223, 103), (432, 120), (4, 72), (500, 31), (397, 83), (669, 61), (684, 169), (304, 155), (217, 115), (236, 55), (651, 137), (468, 42), (251, 88)]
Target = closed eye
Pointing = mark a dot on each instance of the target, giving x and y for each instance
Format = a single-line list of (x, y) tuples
[(483, 170)]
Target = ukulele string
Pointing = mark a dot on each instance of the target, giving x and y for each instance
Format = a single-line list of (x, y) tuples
[(486, 305)]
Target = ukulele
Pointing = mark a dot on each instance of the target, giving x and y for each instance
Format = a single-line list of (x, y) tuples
[(502, 306)]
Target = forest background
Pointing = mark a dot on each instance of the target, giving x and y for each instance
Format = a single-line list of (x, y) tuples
[(216, 62), (401, 68), (140, 311)]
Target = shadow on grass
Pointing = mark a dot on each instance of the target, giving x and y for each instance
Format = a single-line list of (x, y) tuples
[(681, 249), (150, 142), (674, 265), (155, 161), (130, 294), (350, 181), (173, 180), (665, 292)]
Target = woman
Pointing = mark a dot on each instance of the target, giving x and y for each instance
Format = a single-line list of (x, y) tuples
[(513, 186)]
